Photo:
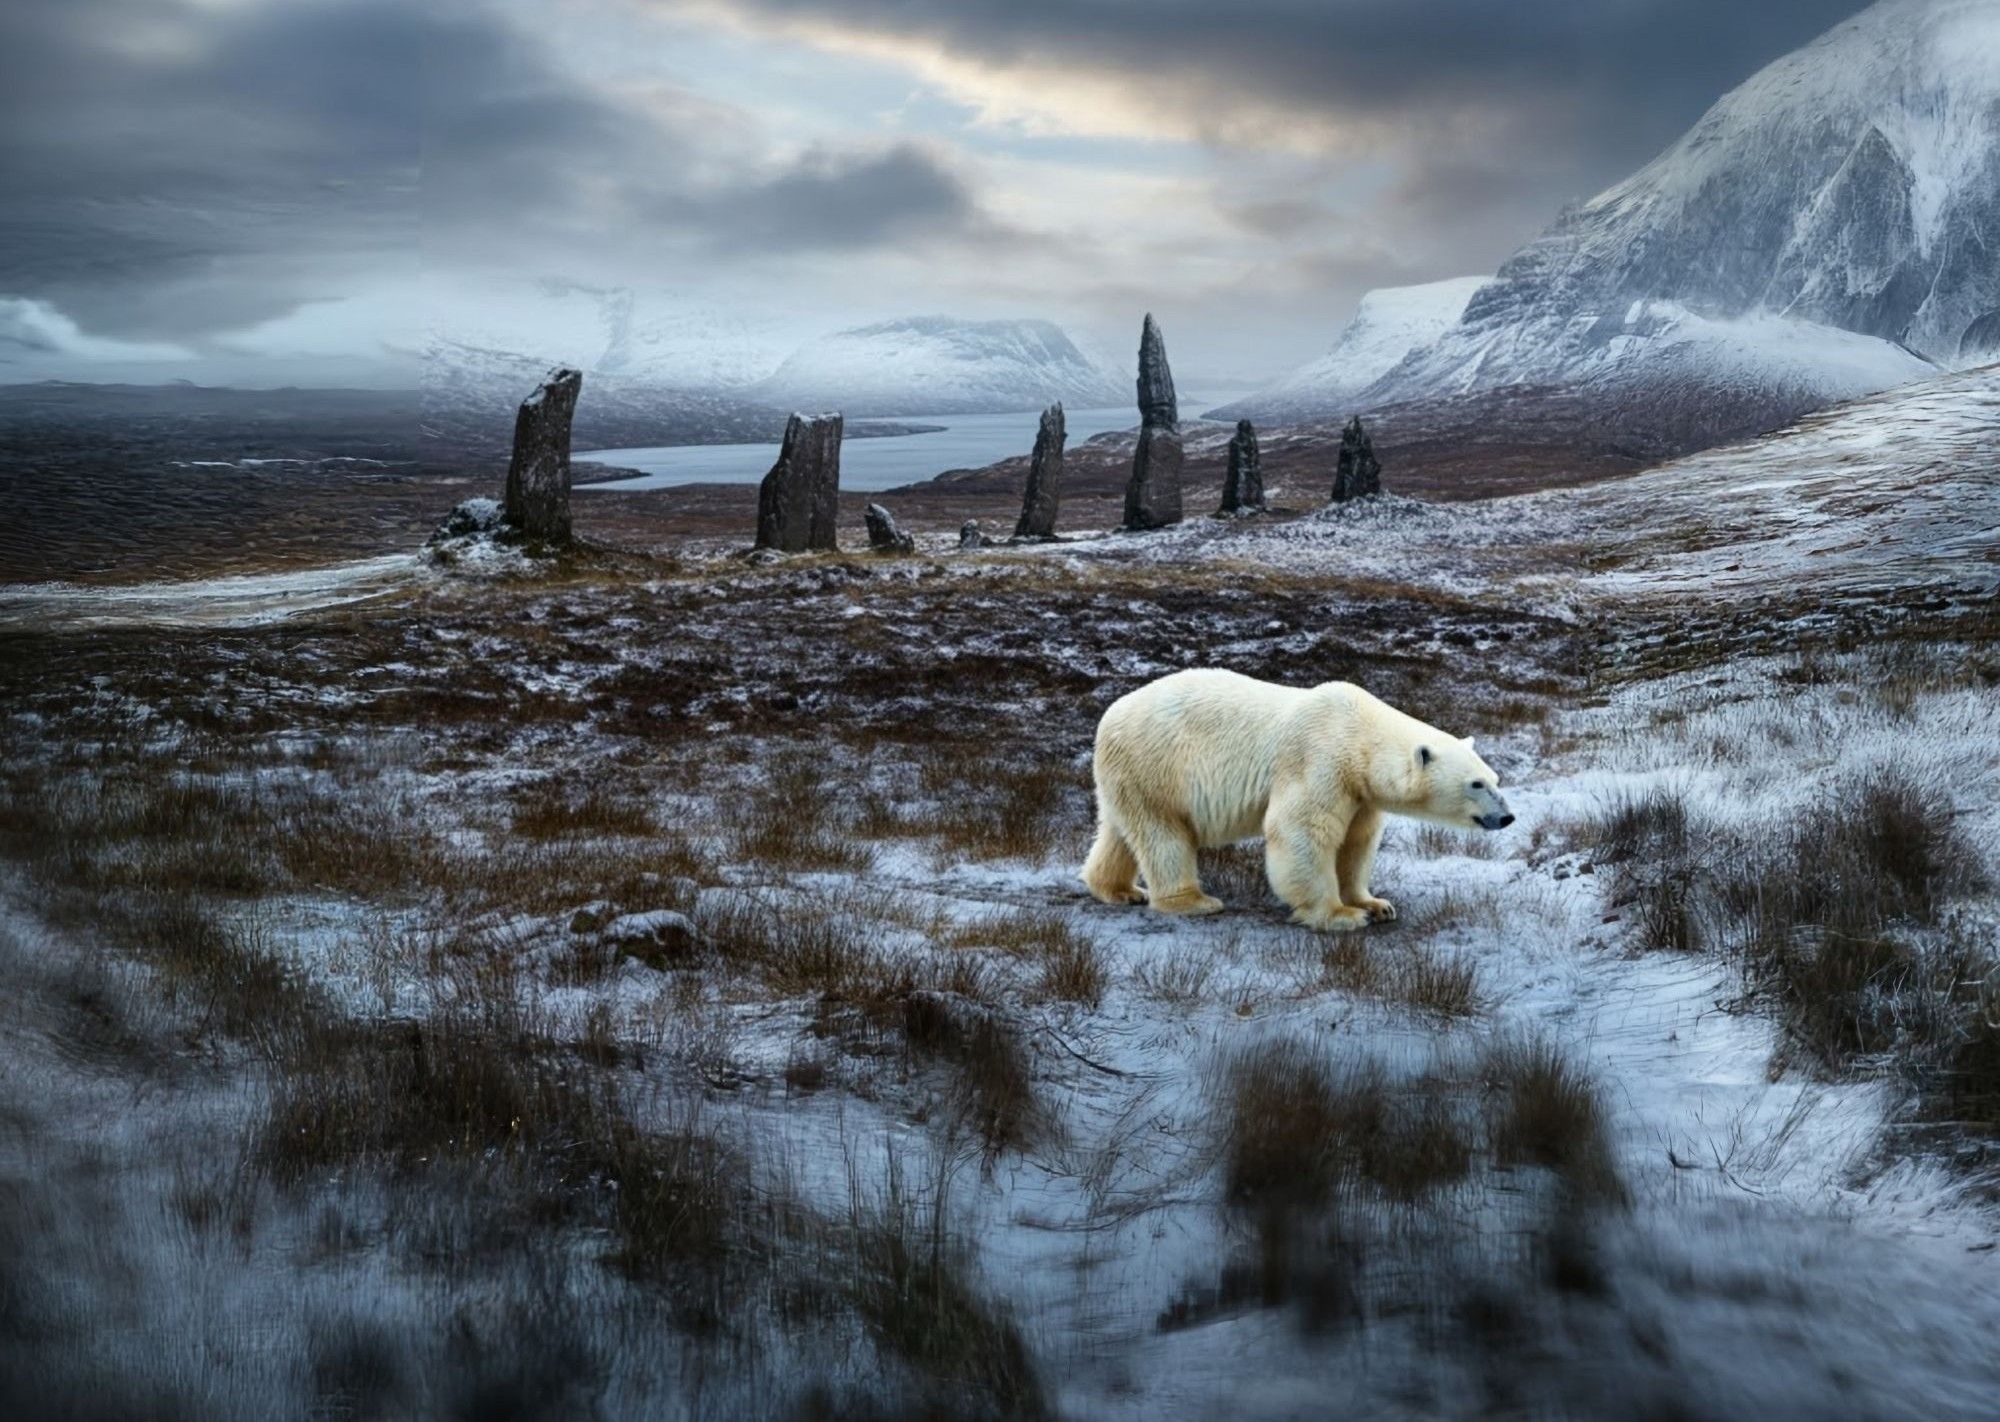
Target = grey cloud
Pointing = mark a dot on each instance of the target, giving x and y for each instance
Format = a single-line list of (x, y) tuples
[(175, 170)]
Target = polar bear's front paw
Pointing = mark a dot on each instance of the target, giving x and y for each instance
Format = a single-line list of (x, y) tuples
[(1332, 918), (1188, 901), (1378, 910)]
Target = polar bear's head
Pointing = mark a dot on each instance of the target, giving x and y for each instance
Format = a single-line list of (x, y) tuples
[(1457, 787)]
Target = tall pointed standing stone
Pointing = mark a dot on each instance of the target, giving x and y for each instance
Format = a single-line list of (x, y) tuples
[(537, 498), (1045, 471), (799, 498), (1243, 485), (1359, 473), (1153, 496)]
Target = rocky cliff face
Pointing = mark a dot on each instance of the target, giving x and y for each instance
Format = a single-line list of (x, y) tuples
[(1829, 228)]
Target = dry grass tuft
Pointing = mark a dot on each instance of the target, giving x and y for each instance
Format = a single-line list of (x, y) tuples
[(1543, 1110), (994, 1084)]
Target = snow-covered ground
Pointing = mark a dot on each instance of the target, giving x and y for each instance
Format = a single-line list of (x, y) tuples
[(1778, 1242)]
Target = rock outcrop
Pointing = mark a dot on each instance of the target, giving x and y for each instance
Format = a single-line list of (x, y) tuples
[(1243, 485), (1153, 496), (883, 535), (797, 502), (969, 535), (1359, 473), (1045, 470), (537, 498)]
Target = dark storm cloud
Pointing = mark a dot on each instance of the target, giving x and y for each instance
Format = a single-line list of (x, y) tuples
[(1498, 111), (174, 170), (517, 154)]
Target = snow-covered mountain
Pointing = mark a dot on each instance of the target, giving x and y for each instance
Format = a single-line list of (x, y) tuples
[(1387, 325), (642, 336), (470, 393), (656, 371), (1829, 228), (936, 365)]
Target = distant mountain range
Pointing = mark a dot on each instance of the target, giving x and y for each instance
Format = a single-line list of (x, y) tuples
[(661, 375), (1829, 228), (936, 365)]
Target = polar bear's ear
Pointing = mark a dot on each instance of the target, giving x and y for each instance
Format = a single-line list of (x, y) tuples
[(1468, 743), (1424, 756)]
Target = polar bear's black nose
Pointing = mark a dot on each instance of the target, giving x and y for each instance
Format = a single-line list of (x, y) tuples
[(1506, 820)]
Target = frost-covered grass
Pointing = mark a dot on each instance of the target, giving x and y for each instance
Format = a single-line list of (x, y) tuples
[(669, 994)]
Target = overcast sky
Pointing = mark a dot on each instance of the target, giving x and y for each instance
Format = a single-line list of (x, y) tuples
[(265, 191)]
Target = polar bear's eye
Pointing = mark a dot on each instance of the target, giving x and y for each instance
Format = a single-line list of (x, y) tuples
[(1479, 784)]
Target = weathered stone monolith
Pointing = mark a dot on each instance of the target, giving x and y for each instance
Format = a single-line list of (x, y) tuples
[(1045, 470), (537, 499), (798, 499), (1359, 473), (1153, 495), (1243, 485), (883, 535)]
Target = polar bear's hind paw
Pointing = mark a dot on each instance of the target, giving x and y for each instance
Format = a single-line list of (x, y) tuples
[(1378, 910)]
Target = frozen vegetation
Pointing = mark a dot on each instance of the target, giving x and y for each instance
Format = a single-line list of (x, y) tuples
[(658, 985)]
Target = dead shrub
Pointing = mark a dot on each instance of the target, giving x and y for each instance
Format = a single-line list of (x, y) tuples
[(549, 809), (1543, 1110), (793, 823), (1180, 976), (994, 1084), (913, 1290)]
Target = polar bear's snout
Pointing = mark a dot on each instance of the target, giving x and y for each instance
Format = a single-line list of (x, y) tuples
[(1489, 811)]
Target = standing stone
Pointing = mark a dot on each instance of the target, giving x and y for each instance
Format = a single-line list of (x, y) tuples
[(798, 499), (1243, 486), (1153, 496), (1045, 470), (1359, 473), (883, 535), (537, 500)]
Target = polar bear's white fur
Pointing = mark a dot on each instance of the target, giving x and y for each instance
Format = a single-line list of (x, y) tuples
[(1206, 758)]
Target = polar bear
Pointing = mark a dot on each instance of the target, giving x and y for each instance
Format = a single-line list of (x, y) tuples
[(1206, 758)]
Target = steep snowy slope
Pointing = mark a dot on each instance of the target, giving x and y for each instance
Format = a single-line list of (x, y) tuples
[(936, 365), (1829, 228), (1387, 325), (1853, 184)]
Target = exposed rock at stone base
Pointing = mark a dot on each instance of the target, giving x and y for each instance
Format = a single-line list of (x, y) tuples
[(883, 535)]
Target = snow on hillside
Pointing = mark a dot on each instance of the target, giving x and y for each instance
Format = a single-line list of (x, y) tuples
[(1825, 230), (1388, 324), (936, 365), (645, 337)]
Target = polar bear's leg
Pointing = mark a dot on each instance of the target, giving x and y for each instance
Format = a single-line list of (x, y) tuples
[(1166, 855), (1356, 862), (1162, 841), (1111, 873), (1300, 855)]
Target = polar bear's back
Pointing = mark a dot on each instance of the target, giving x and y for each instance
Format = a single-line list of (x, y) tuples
[(1201, 746)]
